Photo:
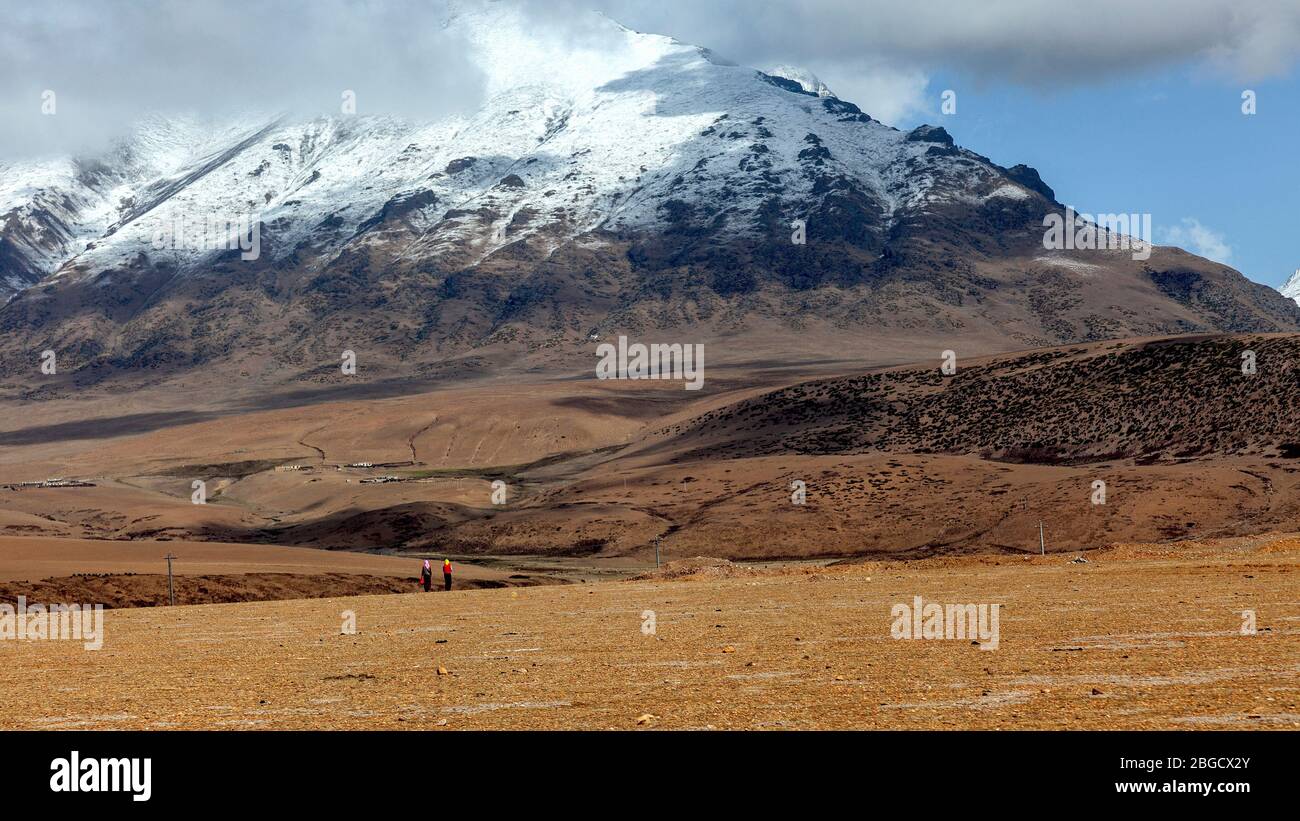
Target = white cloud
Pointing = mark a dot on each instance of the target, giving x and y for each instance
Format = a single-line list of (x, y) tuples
[(1023, 41), (880, 54), (1200, 239), (889, 94), (112, 62)]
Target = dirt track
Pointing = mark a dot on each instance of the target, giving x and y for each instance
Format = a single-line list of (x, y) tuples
[(37, 558), (115, 590), (126, 574), (1136, 638)]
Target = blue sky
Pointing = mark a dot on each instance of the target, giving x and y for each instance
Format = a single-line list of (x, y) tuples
[(1174, 144)]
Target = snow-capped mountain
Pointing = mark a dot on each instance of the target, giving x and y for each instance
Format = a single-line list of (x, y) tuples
[(1292, 287), (598, 143), (52, 211), (626, 180)]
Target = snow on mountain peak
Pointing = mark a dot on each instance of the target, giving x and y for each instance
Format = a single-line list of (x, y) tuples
[(808, 81), (586, 127), (515, 48), (1292, 287)]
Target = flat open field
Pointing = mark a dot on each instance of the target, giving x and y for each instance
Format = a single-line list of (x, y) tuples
[(38, 558), (1137, 637), (133, 574)]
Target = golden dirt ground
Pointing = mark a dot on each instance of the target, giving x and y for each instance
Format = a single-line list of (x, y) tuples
[(1138, 637), (39, 558), (606, 468)]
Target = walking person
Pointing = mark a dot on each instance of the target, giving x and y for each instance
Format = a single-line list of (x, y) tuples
[(446, 574), (426, 576)]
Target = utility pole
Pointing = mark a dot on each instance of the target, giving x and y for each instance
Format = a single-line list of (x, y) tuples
[(1042, 546), (656, 552), (171, 591)]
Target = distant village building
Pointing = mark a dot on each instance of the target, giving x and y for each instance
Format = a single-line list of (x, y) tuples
[(59, 482)]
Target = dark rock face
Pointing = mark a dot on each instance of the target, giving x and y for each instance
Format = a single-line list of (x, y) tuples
[(397, 208), (929, 134), (787, 85), (1028, 177), (457, 166)]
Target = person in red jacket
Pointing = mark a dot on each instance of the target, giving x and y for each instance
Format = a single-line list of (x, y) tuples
[(446, 574), (426, 576)]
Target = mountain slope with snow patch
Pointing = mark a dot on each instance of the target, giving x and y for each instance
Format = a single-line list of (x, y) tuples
[(620, 180)]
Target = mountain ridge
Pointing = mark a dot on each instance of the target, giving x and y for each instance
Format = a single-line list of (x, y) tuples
[(640, 185)]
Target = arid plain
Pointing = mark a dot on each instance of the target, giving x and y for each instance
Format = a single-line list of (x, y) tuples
[(1137, 637), (550, 496), (896, 461)]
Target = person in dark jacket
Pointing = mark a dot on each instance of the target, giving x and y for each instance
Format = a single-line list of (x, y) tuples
[(426, 576), (446, 574)]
